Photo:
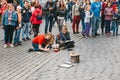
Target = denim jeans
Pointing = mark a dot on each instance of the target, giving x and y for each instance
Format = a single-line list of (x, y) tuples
[(17, 35), (83, 25), (25, 29), (48, 19), (36, 46), (68, 16), (87, 29), (95, 25), (115, 26)]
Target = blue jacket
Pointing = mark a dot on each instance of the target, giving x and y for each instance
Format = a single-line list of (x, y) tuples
[(96, 8), (5, 18)]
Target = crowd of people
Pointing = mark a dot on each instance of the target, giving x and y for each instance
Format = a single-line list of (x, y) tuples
[(23, 16)]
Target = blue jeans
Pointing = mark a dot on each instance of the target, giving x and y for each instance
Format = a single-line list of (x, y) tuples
[(83, 25), (17, 35), (48, 19), (95, 26), (36, 46), (115, 26), (25, 29), (107, 26), (68, 16)]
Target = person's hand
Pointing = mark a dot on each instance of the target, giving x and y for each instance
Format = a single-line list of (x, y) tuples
[(50, 8), (47, 49), (61, 41), (9, 19)]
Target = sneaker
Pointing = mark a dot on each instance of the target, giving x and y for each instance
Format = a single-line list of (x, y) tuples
[(5, 45), (97, 34), (24, 39), (11, 46), (30, 50), (28, 38)]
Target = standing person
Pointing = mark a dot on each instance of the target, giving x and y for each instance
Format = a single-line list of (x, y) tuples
[(19, 26), (50, 6), (55, 14), (42, 42), (35, 21), (87, 21), (61, 14), (96, 9), (68, 11), (26, 14), (82, 15), (3, 7), (76, 17), (9, 20), (108, 12), (115, 23), (104, 5)]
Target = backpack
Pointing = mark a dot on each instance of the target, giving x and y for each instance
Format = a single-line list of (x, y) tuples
[(39, 17)]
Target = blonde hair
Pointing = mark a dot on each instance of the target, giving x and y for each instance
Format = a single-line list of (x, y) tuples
[(51, 40), (65, 27), (86, 8)]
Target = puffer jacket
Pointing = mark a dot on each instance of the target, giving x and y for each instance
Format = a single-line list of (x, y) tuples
[(33, 17)]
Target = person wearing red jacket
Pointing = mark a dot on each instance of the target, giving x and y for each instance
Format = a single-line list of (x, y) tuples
[(35, 21)]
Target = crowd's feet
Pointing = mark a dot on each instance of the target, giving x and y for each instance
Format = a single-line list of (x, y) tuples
[(76, 32), (18, 43), (26, 39), (8, 45)]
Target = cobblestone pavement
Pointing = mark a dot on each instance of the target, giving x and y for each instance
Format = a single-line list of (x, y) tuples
[(99, 60)]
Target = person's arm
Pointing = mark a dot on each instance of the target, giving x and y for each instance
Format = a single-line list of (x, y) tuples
[(44, 49)]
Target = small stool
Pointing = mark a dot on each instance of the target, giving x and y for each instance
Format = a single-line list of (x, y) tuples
[(74, 57)]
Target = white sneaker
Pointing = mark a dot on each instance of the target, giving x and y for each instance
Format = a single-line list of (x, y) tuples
[(5, 46), (11, 46)]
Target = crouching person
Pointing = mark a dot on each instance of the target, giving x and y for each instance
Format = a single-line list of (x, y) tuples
[(63, 39), (42, 42)]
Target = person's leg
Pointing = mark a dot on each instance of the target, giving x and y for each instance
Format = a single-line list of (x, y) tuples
[(35, 46), (59, 25), (51, 21), (109, 26), (94, 20), (113, 27), (70, 17), (97, 25), (73, 24), (11, 34), (102, 24), (34, 30), (83, 25), (6, 28), (87, 28), (15, 37), (37, 29), (77, 24), (117, 26), (69, 44), (23, 30), (27, 29), (46, 23)]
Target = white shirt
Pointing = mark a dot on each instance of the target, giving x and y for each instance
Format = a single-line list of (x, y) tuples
[(87, 16)]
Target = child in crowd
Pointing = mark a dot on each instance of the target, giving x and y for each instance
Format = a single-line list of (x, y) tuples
[(87, 21), (42, 42), (115, 23), (63, 38), (19, 26), (108, 12)]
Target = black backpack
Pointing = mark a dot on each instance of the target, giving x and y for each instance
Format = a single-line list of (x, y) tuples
[(39, 17)]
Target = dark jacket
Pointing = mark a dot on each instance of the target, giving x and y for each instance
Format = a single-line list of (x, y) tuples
[(61, 12), (116, 17), (47, 6), (26, 14)]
